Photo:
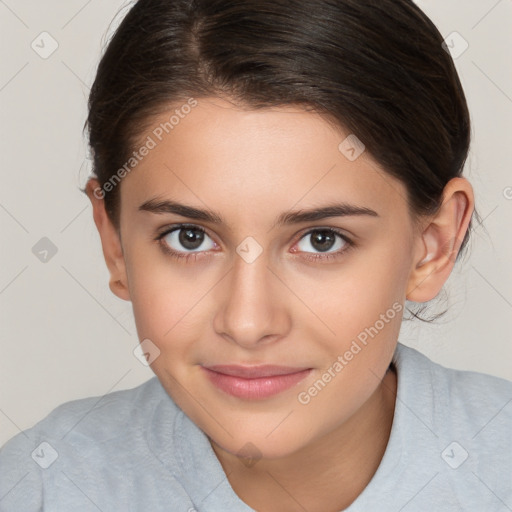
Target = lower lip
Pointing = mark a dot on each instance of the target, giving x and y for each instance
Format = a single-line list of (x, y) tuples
[(257, 388)]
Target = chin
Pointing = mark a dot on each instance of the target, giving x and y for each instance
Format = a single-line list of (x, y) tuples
[(251, 448)]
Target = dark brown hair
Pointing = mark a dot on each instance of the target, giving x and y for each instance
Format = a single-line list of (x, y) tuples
[(375, 68)]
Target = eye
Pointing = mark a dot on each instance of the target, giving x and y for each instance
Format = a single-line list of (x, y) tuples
[(324, 240), (185, 239)]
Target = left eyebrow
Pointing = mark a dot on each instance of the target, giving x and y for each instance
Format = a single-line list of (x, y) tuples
[(286, 218), (325, 212)]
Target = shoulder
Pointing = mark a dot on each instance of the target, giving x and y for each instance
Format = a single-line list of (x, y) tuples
[(101, 417), (87, 433), (468, 394), (466, 424), (98, 418)]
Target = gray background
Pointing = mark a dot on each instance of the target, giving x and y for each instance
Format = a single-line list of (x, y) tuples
[(64, 335)]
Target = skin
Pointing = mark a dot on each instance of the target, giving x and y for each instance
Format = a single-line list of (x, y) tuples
[(250, 167)]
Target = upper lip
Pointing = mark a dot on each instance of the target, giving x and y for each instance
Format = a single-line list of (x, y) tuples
[(254, 372)]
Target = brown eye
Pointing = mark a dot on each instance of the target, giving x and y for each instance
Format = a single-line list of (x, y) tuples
[(322, 240), (190, 238), (187, 238)]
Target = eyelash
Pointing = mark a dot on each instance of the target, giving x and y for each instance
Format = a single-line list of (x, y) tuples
[(193, 256)]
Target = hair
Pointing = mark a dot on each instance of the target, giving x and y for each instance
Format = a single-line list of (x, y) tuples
[(377, 69)]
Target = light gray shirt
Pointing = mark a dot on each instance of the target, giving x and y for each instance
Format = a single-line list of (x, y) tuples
[(450, 449)]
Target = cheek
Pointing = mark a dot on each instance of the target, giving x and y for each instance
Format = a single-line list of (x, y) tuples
[(165, 297), (365, 312), (354, 297)]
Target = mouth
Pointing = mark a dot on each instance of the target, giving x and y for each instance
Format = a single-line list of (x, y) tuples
[(254, 382)]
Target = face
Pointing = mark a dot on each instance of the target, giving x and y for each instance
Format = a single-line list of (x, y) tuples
[(254, 286)]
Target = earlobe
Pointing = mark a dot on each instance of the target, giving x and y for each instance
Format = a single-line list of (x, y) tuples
[(110, 242), (119, 288), (439, 243)]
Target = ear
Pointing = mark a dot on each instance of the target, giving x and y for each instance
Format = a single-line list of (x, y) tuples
[(110, 241), (439, 242)]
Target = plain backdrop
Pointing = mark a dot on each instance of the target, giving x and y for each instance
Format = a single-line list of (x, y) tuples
[(64, 335)]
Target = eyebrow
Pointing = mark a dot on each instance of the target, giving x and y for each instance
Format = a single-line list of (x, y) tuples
[(287, 218)]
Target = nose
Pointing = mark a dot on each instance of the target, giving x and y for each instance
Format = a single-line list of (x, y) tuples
[(252, 308)]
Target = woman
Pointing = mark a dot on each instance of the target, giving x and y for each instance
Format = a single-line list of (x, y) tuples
[(272, 181)]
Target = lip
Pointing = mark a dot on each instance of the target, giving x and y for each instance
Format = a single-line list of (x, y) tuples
[(254, 382)]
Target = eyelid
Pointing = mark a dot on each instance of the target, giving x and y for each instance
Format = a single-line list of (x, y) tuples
[(339, 231), (182, 225)]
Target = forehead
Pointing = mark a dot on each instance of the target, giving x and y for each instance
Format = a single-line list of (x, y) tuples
[(236, 159)]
